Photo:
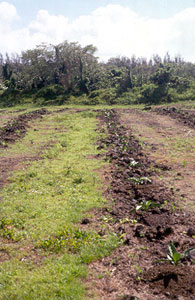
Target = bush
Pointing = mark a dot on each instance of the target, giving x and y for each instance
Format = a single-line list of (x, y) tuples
[(50, 92), (10, 97), (103, 96), (153, 94), (130, 97)]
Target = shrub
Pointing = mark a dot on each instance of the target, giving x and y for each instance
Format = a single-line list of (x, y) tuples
[(128, 98), (50, 92), (103, 96)]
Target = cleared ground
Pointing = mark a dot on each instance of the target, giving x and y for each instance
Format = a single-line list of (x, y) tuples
[(77, 184)]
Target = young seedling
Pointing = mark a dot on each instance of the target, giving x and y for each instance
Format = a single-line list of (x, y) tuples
[(141, 180), (139, 271), (133, 163), (174, 257), (146, 205)]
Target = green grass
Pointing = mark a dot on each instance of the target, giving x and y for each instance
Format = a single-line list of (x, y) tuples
[(56, 278), (41, 208), (182, 144), (31, 107)]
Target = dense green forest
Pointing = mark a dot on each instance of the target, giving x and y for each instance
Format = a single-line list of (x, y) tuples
[(69, 73)]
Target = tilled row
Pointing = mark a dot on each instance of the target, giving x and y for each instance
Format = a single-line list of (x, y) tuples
[(18, 127), (145, 215), (187, 117)]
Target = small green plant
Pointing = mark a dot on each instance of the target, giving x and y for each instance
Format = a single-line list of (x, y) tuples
[(146, 205), (172, 207), (125, 220), (107, 219), (173, 256), (164, 204), (133, 163), (134, 221), (139, 271), (141, 180)]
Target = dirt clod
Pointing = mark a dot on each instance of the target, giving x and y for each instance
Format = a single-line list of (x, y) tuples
[(172, 280), (191, 232), (85, 221)]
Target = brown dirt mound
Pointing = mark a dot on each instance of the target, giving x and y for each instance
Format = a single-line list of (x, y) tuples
[(17, 129), (187, 117), (172, 280), (133, 180)]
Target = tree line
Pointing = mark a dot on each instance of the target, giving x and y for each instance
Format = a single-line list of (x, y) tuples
[(70, 73)]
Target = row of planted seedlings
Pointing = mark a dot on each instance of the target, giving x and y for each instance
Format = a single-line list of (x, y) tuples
[(144, 211)]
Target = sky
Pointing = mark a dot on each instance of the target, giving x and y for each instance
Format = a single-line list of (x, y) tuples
[(115, 27)]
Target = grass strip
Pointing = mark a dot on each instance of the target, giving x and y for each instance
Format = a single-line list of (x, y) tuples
[(40, 210)]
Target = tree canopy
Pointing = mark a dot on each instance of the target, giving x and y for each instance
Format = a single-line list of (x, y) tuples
[(68, 70)]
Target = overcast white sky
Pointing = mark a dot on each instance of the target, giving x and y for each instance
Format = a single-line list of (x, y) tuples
[(126, 27)]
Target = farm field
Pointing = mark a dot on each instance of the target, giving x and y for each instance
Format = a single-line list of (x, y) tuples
[(97, 203)]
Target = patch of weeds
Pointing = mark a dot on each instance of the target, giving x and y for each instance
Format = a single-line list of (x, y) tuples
[(18, 132), (78, 180), (89, 245), (9, 229), (70, 239), (30, 174), (63, 143), (87, 114), (183, 144), (53, 151), (61, 118), (102, 247)]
